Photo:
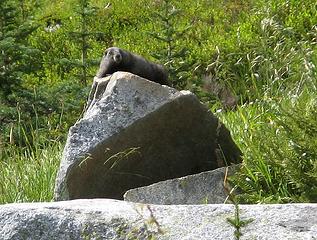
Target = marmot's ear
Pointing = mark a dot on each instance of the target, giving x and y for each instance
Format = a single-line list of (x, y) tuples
[(106, 52)]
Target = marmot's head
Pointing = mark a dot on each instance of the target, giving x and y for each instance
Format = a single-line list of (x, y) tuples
[(111, 62), (114, 55)]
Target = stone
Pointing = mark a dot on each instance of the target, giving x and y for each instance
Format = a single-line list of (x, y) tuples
[(202, 188), (114, 219), (136, 132)]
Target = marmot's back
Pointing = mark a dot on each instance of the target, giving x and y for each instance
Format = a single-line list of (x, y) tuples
[(116, 59)]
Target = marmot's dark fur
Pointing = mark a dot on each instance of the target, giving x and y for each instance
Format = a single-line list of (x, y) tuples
[(116, 59)]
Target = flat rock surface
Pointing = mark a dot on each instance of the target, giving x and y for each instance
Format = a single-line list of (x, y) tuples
[(114, 219), (206, 187)]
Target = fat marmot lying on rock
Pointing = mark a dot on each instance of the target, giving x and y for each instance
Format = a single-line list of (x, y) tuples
[(116, 59)]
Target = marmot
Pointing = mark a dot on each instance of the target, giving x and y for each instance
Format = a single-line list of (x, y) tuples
[(116, 59)]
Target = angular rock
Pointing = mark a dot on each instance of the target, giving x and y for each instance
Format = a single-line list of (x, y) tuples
[(136, 132), (113, 219), (202, 188)]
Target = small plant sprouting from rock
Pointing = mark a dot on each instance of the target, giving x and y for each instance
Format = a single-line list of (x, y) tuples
[(144, 229), (236, 222), (153, 220), (151, 227)]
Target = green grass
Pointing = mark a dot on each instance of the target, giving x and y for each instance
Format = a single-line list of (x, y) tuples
[(28, 175), (279, 141)]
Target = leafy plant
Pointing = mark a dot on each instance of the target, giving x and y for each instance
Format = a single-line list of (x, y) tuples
[(173, 55), (237, 222), (82, 38), (279, 162)]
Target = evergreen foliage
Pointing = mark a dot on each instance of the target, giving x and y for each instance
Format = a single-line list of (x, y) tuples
[(18, 59), (173, 56), (82, 38), (17, 56)]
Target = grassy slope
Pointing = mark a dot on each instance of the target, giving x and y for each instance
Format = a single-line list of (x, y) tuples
[(264, 50), (278, 140), (29, 175)]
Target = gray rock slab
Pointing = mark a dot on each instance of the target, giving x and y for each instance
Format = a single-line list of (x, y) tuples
[(136, 132), (114, 219), (206, 187)]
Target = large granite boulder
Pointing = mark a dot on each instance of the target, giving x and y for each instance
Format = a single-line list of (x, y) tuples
[(112, 219), (209, 187), (135, 133)]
